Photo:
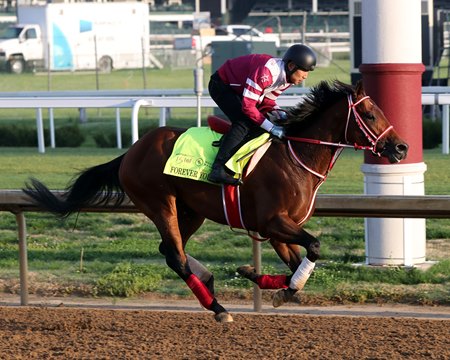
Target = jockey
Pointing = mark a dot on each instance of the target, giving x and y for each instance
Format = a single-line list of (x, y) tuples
[(245, 89)]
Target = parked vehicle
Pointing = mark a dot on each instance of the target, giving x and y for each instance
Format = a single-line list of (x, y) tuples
[(77, 36), (202, 41)]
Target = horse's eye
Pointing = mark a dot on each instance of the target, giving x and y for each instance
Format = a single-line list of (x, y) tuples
[(369, 116)]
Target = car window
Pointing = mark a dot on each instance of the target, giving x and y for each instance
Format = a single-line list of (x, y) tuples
[(239, 32), (31, 34), (221, 32)]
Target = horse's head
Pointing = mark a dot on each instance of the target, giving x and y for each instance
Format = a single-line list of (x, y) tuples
[(367, 126), (344, 116)]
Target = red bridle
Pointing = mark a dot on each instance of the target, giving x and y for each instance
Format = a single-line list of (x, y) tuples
[(371, 137)]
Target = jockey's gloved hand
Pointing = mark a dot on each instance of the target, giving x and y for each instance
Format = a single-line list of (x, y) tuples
[(277, 116), (277, 131)]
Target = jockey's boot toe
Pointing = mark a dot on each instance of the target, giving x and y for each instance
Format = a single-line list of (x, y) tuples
[(218, 175)]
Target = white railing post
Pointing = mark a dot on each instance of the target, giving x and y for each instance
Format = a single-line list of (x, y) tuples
[(162, 116), (135, 120), (118, 129), (52, 128), (445, 129), (40, 131)]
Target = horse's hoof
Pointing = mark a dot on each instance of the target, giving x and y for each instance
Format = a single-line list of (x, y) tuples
[(248, 272), (223, 317), (283, 296), (278, 298)]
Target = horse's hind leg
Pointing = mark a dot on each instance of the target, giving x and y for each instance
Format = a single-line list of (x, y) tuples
[(188, 223), (167, 223)]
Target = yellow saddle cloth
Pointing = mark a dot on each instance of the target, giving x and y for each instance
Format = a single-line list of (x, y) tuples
[(193, 155)]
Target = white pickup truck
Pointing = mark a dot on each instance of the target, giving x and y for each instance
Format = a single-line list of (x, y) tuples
[(231, 33), (77, 36)]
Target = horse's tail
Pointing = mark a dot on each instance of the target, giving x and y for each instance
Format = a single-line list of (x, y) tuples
[(94, 186)]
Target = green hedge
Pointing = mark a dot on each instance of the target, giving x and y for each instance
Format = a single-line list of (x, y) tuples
[(432, 133), (69, 136), (109, 139), (72, 136), (21, 135)]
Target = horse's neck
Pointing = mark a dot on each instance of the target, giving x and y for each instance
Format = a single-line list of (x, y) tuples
[(330, 124)]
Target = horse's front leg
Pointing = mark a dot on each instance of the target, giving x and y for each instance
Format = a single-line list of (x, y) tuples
[(286, 230)]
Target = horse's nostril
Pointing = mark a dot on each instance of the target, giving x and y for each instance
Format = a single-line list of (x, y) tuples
[(401, 148)]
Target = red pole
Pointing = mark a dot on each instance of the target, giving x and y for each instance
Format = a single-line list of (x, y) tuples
[(397, 89)]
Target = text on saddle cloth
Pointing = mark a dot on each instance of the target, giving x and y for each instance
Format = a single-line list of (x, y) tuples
[(193, 155)]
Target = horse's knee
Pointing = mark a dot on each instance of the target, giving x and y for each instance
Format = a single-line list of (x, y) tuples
[(313, 251)]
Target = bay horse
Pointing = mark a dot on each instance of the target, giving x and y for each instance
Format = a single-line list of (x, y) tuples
[(276, 198)]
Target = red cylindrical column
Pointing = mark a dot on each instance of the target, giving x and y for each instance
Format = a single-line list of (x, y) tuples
[(397, 90)]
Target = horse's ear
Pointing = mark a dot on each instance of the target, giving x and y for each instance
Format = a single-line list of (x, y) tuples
[(359, 89)]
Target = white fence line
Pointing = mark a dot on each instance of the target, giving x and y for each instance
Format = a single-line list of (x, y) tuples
[(164, 99)]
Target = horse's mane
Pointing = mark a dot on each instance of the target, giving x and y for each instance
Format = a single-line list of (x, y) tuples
[(320, 97)]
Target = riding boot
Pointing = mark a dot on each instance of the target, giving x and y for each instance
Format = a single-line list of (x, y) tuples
[(229, 142)]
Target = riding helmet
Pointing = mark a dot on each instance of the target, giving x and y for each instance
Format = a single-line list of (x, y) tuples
[(302, 56)]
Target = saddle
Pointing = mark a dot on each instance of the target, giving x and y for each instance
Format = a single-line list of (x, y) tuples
[(193, 155), (218, 124)]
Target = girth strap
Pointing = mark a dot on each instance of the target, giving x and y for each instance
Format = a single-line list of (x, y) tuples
[(232, 206)]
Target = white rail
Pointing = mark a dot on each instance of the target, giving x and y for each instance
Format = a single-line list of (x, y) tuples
[(166, 99)]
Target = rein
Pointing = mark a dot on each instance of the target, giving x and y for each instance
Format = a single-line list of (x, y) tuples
[(371, 137)]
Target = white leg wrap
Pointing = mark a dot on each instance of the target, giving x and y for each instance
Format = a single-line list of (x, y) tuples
[(302, 274)]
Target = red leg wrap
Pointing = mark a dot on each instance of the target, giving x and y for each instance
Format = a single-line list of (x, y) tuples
[(200, 291), (272, 282)]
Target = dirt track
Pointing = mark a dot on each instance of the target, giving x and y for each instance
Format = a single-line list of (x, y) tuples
[(82, 333)]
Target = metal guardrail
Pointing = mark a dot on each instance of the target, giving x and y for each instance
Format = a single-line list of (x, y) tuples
[(348, 205), (16, 202)]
